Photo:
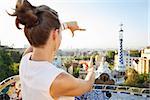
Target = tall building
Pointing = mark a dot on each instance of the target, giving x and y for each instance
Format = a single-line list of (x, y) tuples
[(121, 66)]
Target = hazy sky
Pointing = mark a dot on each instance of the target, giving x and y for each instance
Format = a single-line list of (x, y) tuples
[(101, 18)]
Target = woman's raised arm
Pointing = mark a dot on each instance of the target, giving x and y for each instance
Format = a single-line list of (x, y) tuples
[(67, 85)]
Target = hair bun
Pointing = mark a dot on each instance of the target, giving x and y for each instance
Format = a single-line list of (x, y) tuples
[(25, 13), (27, 18)]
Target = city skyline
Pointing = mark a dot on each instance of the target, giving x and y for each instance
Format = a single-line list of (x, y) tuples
[(100, 18)]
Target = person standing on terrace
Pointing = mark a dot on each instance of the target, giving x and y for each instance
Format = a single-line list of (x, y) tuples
[(40, 79)]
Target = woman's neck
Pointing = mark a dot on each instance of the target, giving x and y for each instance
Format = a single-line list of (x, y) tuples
[(43, 54)]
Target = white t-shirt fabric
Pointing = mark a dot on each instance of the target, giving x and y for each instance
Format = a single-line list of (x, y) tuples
[(36, 78)]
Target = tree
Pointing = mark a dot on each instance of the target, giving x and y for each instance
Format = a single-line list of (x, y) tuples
[(67, 64), (15, 68), (110, 54), (3, 74), (5, 63), (76, 71), (132, 77), (16, 56), (82, 58), (110, 58), (141, 78), (144, 80), (5, 58), (135, 53), (8, 63), (147, 83)]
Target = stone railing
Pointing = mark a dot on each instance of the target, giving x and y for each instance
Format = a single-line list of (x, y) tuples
[(99, 92), (94, 95)]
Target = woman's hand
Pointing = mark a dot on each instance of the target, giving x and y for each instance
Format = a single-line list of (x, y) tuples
[(90, 73), (67, 85), (72, 26), (90, 65)]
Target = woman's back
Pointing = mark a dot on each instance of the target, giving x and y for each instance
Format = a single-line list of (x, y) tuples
[(40, 79), (36, 78)]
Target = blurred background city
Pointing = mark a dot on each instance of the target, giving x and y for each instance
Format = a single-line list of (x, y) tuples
[(117, 35)]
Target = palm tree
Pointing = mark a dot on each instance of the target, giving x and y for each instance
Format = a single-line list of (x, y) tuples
[(67, 64)]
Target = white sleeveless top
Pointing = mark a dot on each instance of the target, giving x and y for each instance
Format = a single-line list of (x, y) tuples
[(36, 78)]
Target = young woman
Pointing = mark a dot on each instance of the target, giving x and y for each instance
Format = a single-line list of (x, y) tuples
[(40, 79)]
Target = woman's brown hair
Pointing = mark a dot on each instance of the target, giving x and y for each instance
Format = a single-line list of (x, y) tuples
[(38, 21)]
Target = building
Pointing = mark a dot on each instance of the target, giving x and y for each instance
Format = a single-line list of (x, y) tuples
[(142, 65), (103, 73), (128, 60), (120, 67)]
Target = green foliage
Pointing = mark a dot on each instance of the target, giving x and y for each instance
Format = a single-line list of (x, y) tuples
[(146, 83), (144, 80), (15, 68), (110, 58), (3, 72), (135, 79), (8, 63), (141, 78), (82, 58), (67, 64), (15, 55), (135, 53), (5, 57), (110, 54), (111, 67), (132, 77), (76, 71)]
